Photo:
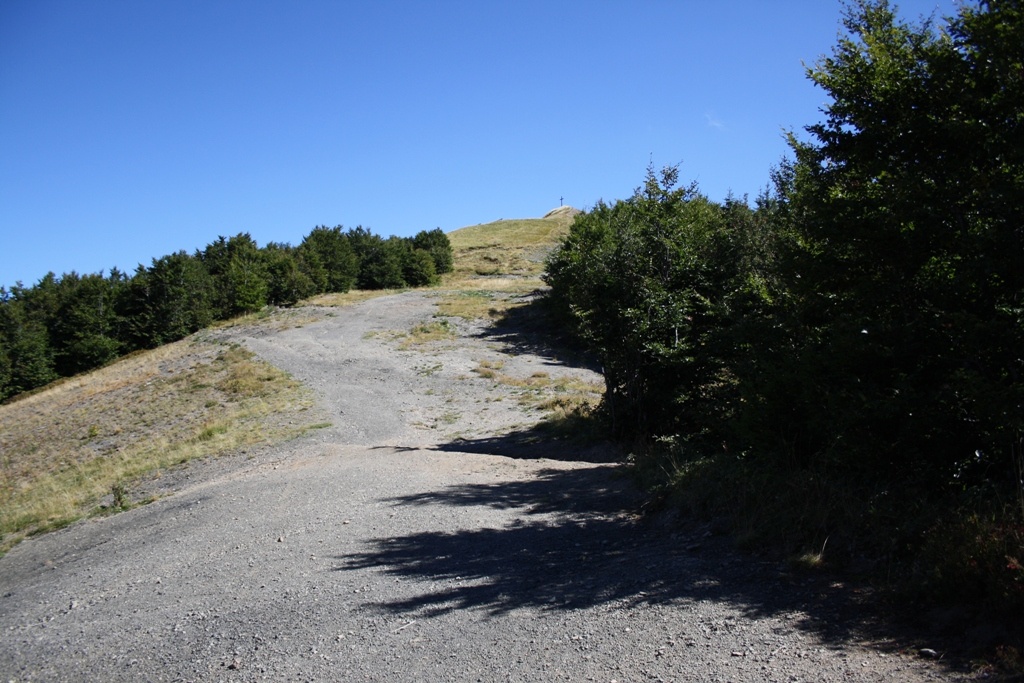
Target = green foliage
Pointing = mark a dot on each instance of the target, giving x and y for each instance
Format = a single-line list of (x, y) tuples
[(287, 281), (644, 286), (418, 269), (59, 327), (382, 267), (436, 243), (25, 344), (246, 277), (842, 361), (905, 277), (399, 262), (380, 261), (62, 326), (239, 272), (329, 258), (171, 299), (6, 368), (85, 323)]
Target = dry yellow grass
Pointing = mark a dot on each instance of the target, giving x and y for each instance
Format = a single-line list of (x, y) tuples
[(67, 446), (476, 304), (560, 395), (508, 247), (339, 300), (506, 285), (494, 263), (421, 334), (427, 333)]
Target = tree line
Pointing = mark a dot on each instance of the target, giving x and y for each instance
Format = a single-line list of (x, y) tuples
[(843, 359), (65, 325)]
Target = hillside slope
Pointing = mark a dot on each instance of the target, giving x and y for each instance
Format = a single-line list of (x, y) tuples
[(515, 247)]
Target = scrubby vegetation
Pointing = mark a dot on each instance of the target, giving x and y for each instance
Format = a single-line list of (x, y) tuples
[(838, 368)]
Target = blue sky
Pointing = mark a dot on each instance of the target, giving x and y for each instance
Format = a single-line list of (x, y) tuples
[(130, 130)]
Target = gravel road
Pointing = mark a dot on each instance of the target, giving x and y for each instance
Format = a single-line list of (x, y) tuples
[(425, 536)]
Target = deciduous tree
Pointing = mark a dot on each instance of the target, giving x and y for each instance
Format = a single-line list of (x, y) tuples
[(906, 278)]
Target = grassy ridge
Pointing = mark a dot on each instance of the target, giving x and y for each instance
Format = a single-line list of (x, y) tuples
[(508, 247)]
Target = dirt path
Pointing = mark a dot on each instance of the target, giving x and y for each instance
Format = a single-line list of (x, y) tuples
[(426, 536)]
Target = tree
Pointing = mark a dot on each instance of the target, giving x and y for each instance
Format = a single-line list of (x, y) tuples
[(437, 244), (418, 268), (287, 283), (6, 369), (330, 259), (171, 299), (643, 284), (239, 274), (906, 315), (380, 261), (248, 282), (25, 343), (83, 332)]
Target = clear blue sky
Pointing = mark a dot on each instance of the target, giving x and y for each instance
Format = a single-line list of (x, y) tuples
[(130, 130)]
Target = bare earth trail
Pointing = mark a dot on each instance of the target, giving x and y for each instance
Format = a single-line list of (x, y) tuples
[(420, 538)]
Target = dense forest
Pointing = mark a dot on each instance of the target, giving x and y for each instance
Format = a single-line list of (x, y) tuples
[(839, 368), (69, 324)]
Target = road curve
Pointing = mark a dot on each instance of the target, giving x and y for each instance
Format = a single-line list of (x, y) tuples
[(426, 536)]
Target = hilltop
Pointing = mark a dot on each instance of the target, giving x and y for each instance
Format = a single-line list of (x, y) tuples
[(514, 247)]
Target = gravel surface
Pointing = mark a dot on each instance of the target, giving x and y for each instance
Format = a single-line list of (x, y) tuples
[(425, 536)]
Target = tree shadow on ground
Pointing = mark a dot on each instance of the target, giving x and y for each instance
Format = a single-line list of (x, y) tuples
[(578, 541), (541, 441), (533, 328)]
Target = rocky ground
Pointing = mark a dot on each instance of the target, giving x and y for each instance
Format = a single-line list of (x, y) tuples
[(430, 534)]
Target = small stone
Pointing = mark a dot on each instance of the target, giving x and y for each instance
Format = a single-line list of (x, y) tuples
[(280, 539)]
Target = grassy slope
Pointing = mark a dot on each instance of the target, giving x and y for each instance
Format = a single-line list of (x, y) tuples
[(73, 444), (80, 442), (514, 248)]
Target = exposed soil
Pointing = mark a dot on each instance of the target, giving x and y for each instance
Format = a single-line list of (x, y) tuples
[(431, 533)]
